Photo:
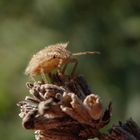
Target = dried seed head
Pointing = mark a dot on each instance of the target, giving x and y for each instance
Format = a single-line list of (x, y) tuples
[(94, 106), (48, 59)]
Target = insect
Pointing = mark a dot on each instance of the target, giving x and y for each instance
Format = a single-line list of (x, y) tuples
[(52, 57)]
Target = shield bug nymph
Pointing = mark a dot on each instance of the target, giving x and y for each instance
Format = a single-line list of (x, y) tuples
[(52, 57)]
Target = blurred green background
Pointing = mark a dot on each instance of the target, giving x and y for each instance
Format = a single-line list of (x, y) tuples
[(109, 26)]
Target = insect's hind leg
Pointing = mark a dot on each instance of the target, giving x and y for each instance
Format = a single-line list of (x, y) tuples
[(74, 60)]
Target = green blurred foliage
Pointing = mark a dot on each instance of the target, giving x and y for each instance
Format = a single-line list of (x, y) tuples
[(111, 26)]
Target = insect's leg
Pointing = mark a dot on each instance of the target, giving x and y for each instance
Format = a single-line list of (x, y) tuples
[(43, 76), (73, 60), (59, 67), (50, 75), (64, 68), (32, 78)]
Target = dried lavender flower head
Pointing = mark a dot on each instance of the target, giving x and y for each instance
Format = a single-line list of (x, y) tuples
[(48, 59)]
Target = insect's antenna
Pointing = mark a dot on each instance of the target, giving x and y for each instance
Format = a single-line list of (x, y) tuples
[(86, 53)]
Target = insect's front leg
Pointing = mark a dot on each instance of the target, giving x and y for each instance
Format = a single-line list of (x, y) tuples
[(43, 76), (59, 70), (32, 78)]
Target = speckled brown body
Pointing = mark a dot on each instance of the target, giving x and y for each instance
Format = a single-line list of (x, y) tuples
[(48, 59)]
